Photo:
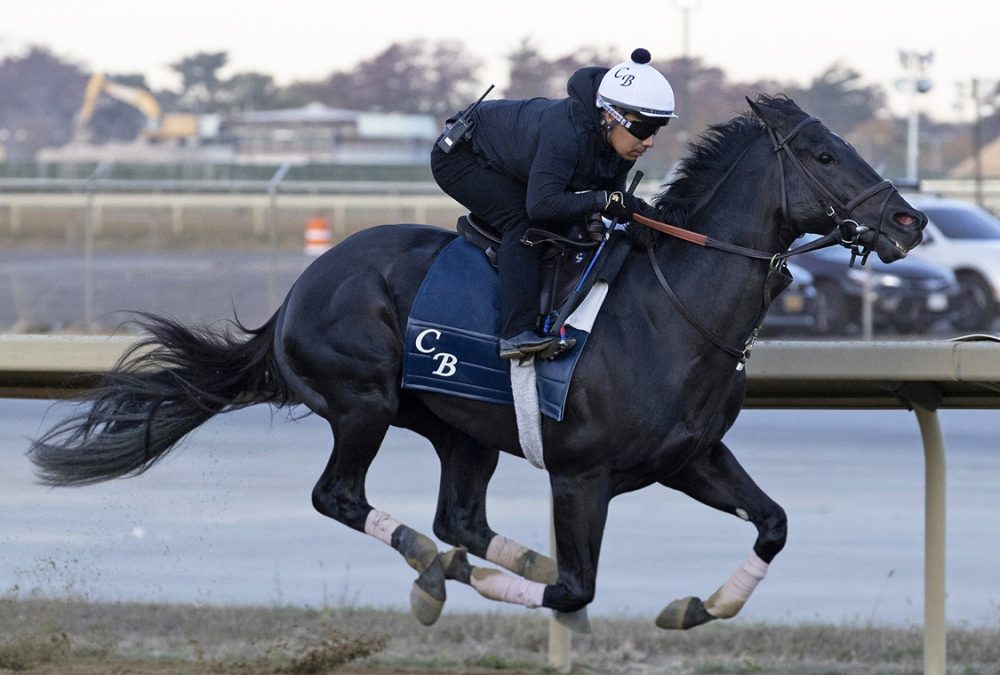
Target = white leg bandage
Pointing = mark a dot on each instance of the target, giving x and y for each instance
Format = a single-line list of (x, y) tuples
[(733, 594), (381, 525), (507, 553), (496, 585)]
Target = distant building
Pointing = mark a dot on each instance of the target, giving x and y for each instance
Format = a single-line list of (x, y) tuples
[(317, 133)]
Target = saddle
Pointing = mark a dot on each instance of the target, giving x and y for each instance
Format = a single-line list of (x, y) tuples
[(571, 263)]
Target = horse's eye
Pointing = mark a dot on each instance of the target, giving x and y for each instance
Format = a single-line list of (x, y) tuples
[(825, 158)]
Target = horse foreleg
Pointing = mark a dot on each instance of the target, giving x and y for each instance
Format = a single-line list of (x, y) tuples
[(580, 511), (717, 479)]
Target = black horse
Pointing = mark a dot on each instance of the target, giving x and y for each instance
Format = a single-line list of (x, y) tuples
[(659, 384)]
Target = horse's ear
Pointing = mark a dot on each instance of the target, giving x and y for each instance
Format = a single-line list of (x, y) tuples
[(755, 108), (772, 116)]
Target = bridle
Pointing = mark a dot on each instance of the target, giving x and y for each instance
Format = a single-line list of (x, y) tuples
[(847, 228), (846, 233)]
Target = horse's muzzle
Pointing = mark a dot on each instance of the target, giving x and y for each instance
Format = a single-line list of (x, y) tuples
[(912, 223), (899, 236)]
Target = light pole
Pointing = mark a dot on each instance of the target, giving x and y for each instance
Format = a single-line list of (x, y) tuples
[(685, 6), (683, 89), (914, 82), (984, 98)]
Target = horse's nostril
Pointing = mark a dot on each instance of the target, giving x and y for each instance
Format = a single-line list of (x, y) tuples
[(905, 219)]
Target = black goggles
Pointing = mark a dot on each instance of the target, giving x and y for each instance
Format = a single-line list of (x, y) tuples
[(643, 130)]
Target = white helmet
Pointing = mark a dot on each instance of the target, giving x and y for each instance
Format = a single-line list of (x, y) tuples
[(637, 87)]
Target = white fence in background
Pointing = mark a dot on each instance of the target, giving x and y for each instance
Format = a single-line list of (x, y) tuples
[(922, 376)]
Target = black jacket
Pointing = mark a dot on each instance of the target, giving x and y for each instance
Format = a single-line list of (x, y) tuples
[(553, 147)]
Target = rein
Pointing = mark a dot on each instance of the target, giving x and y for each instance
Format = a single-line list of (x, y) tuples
[(700, 239), (705, 241), (776, 263)]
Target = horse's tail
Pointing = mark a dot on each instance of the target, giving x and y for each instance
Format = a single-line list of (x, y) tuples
[(164, 387)]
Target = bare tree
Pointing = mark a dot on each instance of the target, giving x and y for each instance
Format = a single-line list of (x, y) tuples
[(416, 77), (408, 77), (41, 96), (247, 91), (839, 98), (200, 79), (531, 74)]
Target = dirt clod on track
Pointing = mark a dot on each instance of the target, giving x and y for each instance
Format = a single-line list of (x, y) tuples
[(49, 637)]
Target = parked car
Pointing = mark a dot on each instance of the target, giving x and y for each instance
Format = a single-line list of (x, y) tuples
[(966, 239), (796, 309), (908, 295)]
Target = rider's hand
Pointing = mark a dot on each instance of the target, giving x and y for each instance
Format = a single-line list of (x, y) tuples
[(622, 205)]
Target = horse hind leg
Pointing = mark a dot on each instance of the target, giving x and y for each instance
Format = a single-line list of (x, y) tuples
[(717, 479), (340, 494), (427, 595), (461, 519), (466, 470)]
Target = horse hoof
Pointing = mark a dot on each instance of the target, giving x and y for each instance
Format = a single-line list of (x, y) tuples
[(683, 614), (578, 621), (455, 564), (428, 595), (425, 606)]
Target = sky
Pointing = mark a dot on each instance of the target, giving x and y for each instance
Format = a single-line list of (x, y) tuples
[(785, 40)]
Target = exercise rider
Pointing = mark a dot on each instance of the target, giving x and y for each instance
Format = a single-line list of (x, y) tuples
[(547, 163)]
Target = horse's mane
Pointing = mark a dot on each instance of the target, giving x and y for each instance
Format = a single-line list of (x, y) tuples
[(712, 153)]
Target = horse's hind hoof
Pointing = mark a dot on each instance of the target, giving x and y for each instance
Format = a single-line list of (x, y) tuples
[(424, 606), (683, 614), (427, 595)]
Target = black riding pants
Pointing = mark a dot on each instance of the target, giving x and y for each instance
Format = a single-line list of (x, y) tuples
[(500, 201)]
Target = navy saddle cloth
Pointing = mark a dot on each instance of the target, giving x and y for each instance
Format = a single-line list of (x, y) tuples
[(452, 341)]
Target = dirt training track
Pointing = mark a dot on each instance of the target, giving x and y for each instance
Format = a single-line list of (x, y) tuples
[(78, 638)]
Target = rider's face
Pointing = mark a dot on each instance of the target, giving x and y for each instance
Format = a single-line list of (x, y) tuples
[(624, 143)]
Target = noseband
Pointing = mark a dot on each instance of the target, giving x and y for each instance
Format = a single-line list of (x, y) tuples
[(848, 229)]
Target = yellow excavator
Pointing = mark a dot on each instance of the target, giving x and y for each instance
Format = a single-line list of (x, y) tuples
[(159, 126)]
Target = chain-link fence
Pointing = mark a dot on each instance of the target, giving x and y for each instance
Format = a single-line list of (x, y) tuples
[(74, 253)]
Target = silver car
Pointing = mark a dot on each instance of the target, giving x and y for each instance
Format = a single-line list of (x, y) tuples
[(966, 239)]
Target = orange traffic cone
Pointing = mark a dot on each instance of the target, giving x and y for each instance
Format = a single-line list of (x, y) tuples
[(318, 235)]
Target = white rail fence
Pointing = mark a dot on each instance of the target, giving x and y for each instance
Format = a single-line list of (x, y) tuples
[(161, 209)]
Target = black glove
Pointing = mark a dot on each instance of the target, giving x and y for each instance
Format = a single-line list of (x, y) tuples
[(622, 205)]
